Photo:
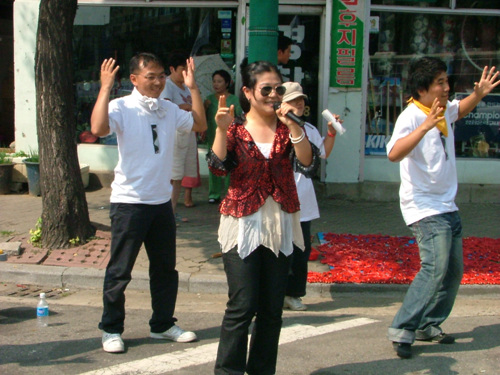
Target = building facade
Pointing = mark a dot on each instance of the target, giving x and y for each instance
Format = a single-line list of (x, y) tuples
[(351, 56)]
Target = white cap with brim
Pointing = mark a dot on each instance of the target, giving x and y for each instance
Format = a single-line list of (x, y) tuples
[(293, 91)]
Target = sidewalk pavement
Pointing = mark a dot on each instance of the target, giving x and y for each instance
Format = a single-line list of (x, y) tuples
[(199, 271)]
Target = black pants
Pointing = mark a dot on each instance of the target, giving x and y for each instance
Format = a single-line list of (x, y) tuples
[(131, 226), (297, 277), (256, 288)]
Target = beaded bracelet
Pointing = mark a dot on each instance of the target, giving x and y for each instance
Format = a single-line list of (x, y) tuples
[(298, 139)]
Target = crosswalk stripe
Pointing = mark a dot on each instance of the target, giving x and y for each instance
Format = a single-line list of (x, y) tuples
[(206, 353), (300, 332)]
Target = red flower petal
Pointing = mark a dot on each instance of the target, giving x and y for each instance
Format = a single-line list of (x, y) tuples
[(395, 260)]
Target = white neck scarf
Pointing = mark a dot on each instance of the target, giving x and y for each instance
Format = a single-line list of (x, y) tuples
[(151, 104)]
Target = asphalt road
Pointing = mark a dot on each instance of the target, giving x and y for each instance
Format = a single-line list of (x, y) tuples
[(343, 334)]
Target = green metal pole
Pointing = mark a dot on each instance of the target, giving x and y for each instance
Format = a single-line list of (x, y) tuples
[(263, 31)]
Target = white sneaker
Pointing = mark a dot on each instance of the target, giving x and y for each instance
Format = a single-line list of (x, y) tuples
[(175, 333), (294, 304), (112, 343)]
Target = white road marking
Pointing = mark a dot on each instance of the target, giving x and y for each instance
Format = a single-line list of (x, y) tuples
[(300, 332), (206, 353)]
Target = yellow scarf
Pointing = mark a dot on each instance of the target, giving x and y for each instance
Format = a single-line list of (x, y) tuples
[(441, 125)]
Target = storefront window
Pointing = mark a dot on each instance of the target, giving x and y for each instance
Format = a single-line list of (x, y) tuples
[(415, 3), (303, 65), (466, 43), (121, 32), (477, 4)]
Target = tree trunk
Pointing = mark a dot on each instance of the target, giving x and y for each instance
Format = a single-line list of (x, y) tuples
[(65, 213)]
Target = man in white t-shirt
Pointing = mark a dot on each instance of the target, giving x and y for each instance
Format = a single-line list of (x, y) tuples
[(185, 171), (297, 279), (141, 208), (423, 143)]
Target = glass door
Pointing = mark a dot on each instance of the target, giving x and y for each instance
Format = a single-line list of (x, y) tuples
[(304, 29)]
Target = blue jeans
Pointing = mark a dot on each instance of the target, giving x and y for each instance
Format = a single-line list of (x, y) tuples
[(432, 293), (256, 289), (131, 226)]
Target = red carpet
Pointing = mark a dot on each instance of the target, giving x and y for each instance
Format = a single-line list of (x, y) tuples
[(378, 259)]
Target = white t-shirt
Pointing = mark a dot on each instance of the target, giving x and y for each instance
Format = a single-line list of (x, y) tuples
[(428, 176), (305, 188), (185, 152), (176, 94), (143, 172)]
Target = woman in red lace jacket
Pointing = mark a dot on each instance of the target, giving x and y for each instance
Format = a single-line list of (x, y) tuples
[(260, 219)]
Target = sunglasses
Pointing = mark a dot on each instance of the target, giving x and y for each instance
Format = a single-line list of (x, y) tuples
[(266, 90)]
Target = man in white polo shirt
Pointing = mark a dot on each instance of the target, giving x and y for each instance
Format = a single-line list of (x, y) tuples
[(141, 207)]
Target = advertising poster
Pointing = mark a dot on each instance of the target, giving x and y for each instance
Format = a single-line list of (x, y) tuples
[(484, 120)]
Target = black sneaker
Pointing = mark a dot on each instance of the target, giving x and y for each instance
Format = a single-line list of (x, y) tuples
[(402, 349), (442, 338)]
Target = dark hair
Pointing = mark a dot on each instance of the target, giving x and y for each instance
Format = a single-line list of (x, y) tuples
[(224, 74), (243, 64), (177, 59), (422, 73), (249, 79), (142, 60), (284, 42)]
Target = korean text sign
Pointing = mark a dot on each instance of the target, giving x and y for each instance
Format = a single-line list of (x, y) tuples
[(347, 43)]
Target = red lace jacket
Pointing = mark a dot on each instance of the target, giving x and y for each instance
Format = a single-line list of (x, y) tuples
[(253, 177)]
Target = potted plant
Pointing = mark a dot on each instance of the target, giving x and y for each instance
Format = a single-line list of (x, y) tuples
[(32, 163), (6, 166)]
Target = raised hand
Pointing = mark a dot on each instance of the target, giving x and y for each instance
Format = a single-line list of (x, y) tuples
[(99, 120), (108, 73), (225, 115), (283, 110), (487, 83), (434, 115), (331, 129), (188, 74)]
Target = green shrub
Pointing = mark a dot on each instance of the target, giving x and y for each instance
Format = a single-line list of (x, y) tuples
[(36, 234), (33, 157), (5, 158)]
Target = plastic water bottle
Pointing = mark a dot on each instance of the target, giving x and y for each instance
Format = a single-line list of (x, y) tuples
[(42, 311)]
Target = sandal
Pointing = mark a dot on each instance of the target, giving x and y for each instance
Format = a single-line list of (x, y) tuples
[(178, 218)]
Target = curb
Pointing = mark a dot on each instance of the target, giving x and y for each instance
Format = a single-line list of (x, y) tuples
[(76, 277), (64, 277)]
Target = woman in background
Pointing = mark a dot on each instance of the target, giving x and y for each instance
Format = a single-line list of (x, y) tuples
[(217, 185), (294, 99)]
